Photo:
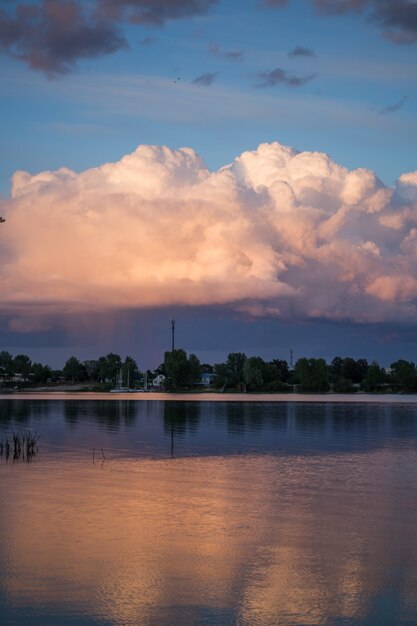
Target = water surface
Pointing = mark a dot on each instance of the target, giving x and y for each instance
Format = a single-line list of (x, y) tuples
[(196, 512)]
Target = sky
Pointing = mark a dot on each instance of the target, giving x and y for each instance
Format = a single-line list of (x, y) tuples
[(246, 166)]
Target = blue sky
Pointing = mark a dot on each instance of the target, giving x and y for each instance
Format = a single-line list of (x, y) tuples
[(112, 103), (218, 77)]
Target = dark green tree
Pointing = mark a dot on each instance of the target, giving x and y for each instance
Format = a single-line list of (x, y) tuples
[(6, 365), (404, 375), (40, 373), (92, 368), (335, 369), (221, 375), (131, 370), (22, 365), (282, 370), (74, 370), (375, 377), (176, 369), (253, 373), (235, 363), (113, 366), (362, 367), (194, 370), (312, 375)]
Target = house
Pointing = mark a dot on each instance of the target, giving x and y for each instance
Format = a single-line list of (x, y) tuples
[(207, 379), (158, 382)]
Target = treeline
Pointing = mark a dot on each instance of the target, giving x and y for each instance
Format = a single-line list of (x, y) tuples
[(343, 375), (105, 370), (238, 373), (254, 374)]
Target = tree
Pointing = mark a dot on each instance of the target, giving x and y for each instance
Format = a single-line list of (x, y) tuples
[(6, 364), (362, 368), (235, 363), (92, 368), (221, 374), (312, 375), (194, 370), (282, 370), (74, 370), (176, 369), (113, 365), (344, 385), (22, 365), (108, 367), (40, 373), (335, 369), (253, 370), (130, 367), (375, 377), (404, 375)]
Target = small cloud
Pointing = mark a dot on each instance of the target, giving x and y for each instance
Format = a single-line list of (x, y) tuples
[(275, 3), (147, 41), (392, 108), (398, 18), (152, 12), (278, 76), (301, 51), (235, 55), (229, 55), (205, 80), (400, 38)]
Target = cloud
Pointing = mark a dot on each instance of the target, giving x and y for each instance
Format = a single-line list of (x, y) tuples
[(229, 55), (397, 18), (53, 35), (276, 232), (205, 80), (275, 3), (392, 108), (301, 51), (278, 76), (147, 41), (154, 12)]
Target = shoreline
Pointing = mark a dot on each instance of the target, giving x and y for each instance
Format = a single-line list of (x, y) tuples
[(357, 398)]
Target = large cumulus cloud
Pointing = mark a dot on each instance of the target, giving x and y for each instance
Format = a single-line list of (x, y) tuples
[(276, 232)]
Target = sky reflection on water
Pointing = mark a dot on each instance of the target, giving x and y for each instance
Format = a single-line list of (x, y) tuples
[(290, 515)]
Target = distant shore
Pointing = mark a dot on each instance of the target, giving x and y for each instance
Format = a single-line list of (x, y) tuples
[(359, 397)]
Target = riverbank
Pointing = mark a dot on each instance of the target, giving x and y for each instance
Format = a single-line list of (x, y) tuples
[(215, 397)]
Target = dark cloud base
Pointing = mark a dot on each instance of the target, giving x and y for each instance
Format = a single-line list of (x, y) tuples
[(211, 333)]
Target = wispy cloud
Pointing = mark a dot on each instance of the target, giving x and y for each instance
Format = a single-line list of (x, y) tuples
[(397, 18), (154, 12), (392, 108), (147, 41), (301, 51), (206, 79), (275, 3), (228, 55), (278, 76)]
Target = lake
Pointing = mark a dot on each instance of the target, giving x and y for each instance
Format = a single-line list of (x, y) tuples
[(210, 511)]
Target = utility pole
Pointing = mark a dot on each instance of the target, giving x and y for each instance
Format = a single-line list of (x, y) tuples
[(173, 333), (291, 358)]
